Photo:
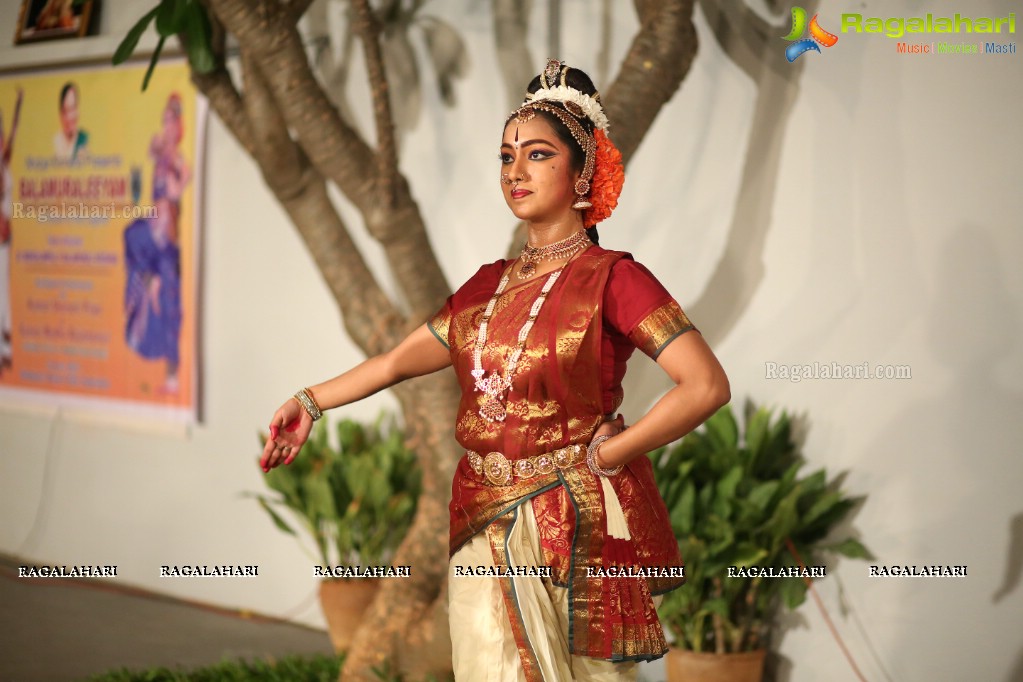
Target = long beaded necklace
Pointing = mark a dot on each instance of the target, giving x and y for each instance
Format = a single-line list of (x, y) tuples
[(566, 248), (495, 385)]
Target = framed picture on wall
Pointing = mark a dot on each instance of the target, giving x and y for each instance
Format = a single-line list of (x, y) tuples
[(51, 19)]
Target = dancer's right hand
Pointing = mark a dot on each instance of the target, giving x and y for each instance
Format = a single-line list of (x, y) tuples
[(289, 430)]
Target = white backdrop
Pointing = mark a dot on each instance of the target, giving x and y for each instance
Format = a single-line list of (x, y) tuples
[(891, 235)]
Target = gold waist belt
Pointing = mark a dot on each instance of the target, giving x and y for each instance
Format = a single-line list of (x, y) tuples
[(500, 470)]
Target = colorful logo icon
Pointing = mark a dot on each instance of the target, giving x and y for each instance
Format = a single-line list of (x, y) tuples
[(817, 35)]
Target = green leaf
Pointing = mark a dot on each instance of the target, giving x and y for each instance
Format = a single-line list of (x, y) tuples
[(715, 605), (722, 429), (170, 17), (792, 591), (851, 548), (762, 494), (788, 478), (152, 64), (814, 483), (670, 493), (131, 40), (820, 527), (756, 431), (320, 496), (200, 39), (278, 521), (682, 515), (743, 554), (785, 517), (358, 505), (350, 436), (825, 503), (727, 485), (779, 450), (283, 481), (739, 500)]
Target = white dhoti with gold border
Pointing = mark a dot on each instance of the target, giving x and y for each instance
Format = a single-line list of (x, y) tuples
[(483, 643)]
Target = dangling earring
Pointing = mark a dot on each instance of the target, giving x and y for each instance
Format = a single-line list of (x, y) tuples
[(581, 189)]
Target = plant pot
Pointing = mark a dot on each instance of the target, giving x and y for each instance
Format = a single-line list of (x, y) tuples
[(683, 665), (343, 603)]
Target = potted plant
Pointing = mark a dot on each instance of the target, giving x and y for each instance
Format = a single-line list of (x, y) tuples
[(743, 515), (355, 501)]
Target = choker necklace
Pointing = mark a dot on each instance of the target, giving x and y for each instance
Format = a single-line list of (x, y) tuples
[(566, 248), (495, 385)]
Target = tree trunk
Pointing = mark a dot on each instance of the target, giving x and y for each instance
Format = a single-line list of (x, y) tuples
[(292, 130)]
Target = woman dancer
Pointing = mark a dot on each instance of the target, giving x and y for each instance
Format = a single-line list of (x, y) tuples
[(539, 346), (152, 298), (171, 172)]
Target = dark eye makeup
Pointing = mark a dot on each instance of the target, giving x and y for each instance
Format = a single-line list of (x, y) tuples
[(534, 155)]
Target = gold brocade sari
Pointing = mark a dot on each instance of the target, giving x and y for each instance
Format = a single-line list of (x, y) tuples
[(555, 401)]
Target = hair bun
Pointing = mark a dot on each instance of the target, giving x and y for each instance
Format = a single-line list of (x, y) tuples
[(559, 73)]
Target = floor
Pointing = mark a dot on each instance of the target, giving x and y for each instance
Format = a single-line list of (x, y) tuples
[(67, 629)]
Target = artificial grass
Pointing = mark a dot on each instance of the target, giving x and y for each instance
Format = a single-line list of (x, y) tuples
[(318, 668)]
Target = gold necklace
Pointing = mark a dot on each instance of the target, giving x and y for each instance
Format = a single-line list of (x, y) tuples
[(566, 248)]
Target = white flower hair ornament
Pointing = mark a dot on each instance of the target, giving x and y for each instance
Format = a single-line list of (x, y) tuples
[(587, 105)]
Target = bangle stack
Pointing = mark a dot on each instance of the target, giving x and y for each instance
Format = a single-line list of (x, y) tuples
[(591, 459), (305, 399)]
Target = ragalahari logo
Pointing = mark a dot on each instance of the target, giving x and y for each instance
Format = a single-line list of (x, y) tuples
[(817, 35)]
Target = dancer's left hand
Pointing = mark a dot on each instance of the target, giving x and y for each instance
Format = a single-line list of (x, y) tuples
[(610, 428)]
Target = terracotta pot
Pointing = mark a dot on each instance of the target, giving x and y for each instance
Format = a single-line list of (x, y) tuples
[(683, 665), (343, 603)]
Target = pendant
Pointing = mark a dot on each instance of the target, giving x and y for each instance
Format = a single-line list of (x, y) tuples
[(492, 410), (527, 270), (494, 385)]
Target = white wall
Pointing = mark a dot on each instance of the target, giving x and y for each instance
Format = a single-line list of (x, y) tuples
[(892, 238)]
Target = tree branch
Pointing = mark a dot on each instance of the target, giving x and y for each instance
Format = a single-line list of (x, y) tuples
[(219, 88), (339, 153), (740, 33), (370, 317), (660, 57), (225, 100), (336, 150), (368, 30), (274, 148), (297, 8)]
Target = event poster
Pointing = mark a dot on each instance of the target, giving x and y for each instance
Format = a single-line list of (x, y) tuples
[(99, 239)]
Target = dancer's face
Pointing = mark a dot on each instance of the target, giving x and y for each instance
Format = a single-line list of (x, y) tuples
[(539, 167)]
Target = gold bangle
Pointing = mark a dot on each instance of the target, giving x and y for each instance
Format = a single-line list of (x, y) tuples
[(591, 459), (305, 399)]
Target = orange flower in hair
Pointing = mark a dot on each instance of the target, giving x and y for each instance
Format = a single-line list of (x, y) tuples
[(608, 178)]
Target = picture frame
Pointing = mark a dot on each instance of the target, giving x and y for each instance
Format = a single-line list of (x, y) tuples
[(53, 19)]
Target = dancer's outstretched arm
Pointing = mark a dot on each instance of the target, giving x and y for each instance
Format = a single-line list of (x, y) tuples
[(417, 355)]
